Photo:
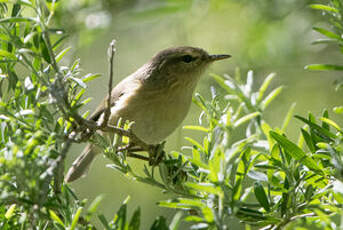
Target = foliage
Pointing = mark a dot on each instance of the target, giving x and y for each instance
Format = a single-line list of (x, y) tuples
[(264, 178), (39, 99), (333, 11)]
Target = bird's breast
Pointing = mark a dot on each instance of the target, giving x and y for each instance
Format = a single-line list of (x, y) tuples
[(156, 113)]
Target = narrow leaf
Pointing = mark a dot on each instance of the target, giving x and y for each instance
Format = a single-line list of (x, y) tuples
[(62, 53), (54, 216), (246, 118), (6, 54), (261, 196), (221, 81), (296, 152), (264, 86), (324, 67), (104, 222), (94, 205), (76, 218), (323, 7), (327, 33), (90, 77), (135, 220), (320, 130), (17, 19), (331, 123), (10, 211), (195, 127), (338, 109), (288, 117), (308, 140), (271, 97)]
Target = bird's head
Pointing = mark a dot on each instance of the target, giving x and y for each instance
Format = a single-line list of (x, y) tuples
[(182, 63)]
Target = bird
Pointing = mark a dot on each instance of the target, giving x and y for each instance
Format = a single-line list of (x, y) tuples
[(156, 97)]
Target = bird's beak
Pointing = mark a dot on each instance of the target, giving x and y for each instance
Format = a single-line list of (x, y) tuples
[(217, 57)]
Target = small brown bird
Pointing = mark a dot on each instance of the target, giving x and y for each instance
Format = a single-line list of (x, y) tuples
[(156, 97)]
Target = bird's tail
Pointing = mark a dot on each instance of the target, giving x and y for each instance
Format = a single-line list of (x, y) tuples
[(81, 164)]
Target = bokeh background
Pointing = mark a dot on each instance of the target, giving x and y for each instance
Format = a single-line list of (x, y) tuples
[(262, 35)]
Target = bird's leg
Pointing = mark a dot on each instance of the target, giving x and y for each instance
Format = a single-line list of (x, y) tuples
[(156, 154), (125, 147), (131, 147), (134, 155)]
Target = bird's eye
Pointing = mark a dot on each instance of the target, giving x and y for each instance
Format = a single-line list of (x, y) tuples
[(188, 58)]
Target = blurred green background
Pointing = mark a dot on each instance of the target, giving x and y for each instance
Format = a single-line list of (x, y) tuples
[(262, 35)]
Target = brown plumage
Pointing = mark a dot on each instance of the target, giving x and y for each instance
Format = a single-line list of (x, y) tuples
[(156, 97)]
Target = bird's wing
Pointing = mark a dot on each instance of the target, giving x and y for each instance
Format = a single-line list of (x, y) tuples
[(119, 90)]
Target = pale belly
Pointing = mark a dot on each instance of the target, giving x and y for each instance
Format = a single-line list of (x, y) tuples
[(155, 117)]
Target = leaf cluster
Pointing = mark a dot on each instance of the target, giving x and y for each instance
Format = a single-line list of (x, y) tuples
[(333, 11)]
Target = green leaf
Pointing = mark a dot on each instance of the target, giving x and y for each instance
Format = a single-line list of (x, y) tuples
[(261, 196), (324, 67), (135, 220), (331, 123), (258, 176), (327, 33), (174, 225), (296, 152), (94, 205), (45, 51), (321, 131), (90, 77), (181, 203), (21, 2), (196, 127), (208, 188), (79, 82), (324, 41), (198, 100), (204, 226), (271, 97), (326, 115), (190, 218), (61, 54), (10, 211), (4, 37), (264, 86), (288, 117), (160, 224), (195, 143), (221, 81), (308, 140), (6, 54), (120, 217), (338, 109), (76, 218), (15, 10), (266, 128), (323, 7), (54, 216), (246, 118), (208, 214), (17, 19), (28, 37), (104, 222)]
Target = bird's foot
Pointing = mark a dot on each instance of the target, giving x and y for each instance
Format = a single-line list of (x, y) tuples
[(156, 154)]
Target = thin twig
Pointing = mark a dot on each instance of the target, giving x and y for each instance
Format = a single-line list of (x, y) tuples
[(134, 155), (59, 163), (129, 134), (107, 113)]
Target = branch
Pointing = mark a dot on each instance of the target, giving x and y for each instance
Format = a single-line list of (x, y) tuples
[(107, 113)]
